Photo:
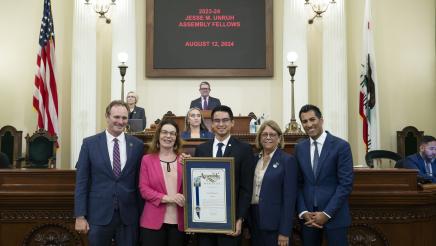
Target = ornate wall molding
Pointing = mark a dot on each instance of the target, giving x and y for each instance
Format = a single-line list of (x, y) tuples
[(390, 215), (364, 234), (36, 215), (52, 234)]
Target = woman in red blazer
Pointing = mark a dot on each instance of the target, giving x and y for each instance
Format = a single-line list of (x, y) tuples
[(160, 184)]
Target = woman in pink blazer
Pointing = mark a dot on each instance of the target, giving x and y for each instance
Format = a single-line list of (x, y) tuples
[(160, 184)]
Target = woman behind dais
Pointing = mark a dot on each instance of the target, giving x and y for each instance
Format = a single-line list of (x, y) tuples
[(160, 184), (274, 189), (195, 126), (135, 112)]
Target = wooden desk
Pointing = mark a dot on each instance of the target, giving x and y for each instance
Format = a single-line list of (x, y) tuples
[(387, 208), (241, 123), (189, 145)]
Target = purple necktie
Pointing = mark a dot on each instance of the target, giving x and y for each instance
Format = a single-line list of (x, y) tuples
[(205, 103), (116, 159)]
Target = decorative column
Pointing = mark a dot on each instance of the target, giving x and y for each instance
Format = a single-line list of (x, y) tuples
[(83, 77), (334, 90), (123, 40), (294, 39)]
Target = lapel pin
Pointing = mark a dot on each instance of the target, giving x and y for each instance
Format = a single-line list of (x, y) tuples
[(130, 144), (229, 145), (275, 165)]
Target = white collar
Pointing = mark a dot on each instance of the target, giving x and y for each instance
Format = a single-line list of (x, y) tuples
[(110, 138), (225, 141), (320, 139)]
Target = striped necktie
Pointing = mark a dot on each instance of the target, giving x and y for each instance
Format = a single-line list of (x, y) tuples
[(116, 159)]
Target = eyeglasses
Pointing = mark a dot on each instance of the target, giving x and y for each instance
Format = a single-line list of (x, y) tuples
[(268, 134), (224, 121), (204, 89), (165, 133)]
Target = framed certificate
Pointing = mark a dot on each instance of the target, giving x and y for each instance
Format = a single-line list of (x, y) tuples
[(209, 189)]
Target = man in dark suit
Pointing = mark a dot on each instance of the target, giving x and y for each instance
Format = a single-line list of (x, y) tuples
[(205, 102), (106, 200), (326, 178), (425, 160), (224, 145)]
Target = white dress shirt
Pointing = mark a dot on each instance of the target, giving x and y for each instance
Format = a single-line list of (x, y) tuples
[(215, 146), (121, 143)]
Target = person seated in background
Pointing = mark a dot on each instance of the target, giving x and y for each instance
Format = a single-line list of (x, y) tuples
[(205, 102), (425, 160), (194, 125), (4, 161), (135, 112)]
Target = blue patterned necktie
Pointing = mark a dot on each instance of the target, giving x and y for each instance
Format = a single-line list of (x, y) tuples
[(116, 158), (219, 152), (315, 158)]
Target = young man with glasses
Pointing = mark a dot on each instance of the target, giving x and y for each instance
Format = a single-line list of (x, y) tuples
[(205, 102), (224, 145)]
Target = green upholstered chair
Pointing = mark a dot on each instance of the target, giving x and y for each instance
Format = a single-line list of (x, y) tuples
[(41, 150)]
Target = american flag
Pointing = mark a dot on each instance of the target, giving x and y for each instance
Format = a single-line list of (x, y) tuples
[(45, 97)]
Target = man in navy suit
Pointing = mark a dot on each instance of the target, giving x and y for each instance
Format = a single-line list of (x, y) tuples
[(106, 199), (326, 178), (224, 145), (205, 102), (425, 160)]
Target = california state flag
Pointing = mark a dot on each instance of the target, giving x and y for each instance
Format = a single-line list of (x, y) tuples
[(368, 102)]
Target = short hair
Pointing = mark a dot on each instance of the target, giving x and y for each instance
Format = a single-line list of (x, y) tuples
[(115, 103), (202, 124), (155, 146), (309, 107), (205, 83), (222, 108), (275, 127), (134, 94), (426, 139)]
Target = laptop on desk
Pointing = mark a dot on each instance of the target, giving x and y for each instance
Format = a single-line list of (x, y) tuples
[(135, 125)]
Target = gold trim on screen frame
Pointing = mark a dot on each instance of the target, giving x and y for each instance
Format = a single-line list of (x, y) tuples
[(231, 162)]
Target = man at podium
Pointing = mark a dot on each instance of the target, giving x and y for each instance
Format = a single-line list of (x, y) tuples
[(205, 102)]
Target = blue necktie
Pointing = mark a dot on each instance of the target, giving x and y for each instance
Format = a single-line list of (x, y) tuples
[(219, 152), (205, 106), (315, 158)]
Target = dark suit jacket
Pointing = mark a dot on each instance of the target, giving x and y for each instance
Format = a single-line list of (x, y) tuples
[(333, 183), (244, 171), (203, 134), (138, 113), (211, 104), (96, 184), (278, 194), (415, 161), (4, 161)]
